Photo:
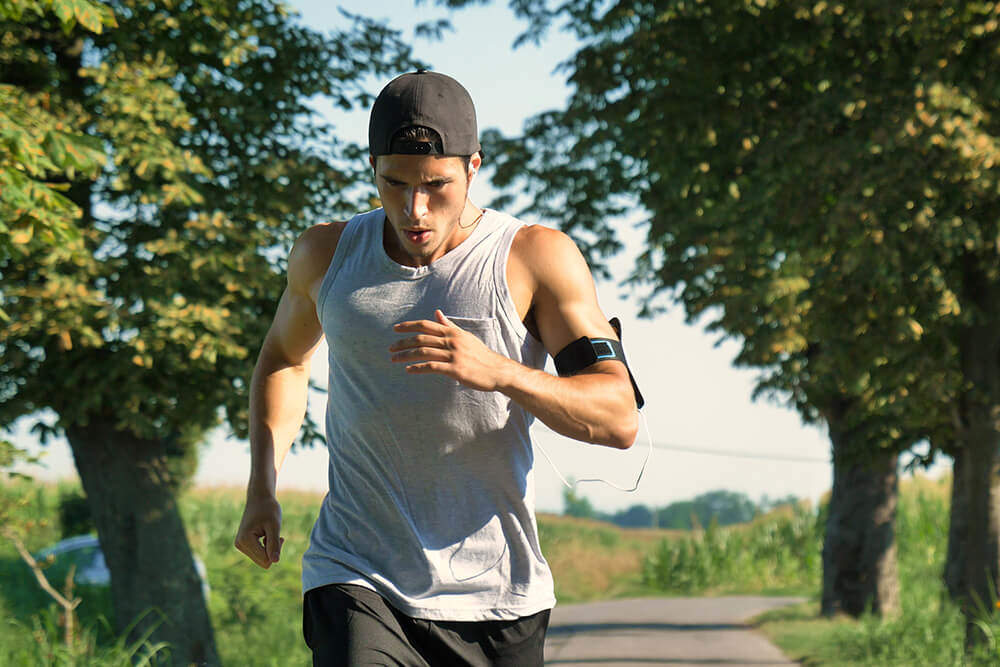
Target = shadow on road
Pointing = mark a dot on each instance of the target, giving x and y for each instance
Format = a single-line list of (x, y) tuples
[(621, 627), (656, 661)]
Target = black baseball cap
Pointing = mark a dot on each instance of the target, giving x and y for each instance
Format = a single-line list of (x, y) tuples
[(429, 99)]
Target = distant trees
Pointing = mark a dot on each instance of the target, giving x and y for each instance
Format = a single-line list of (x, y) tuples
[(723, 507)]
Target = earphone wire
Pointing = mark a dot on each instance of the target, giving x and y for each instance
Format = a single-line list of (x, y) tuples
[(632, 489)]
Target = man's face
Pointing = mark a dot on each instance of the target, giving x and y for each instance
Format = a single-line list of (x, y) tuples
[(424, 197)]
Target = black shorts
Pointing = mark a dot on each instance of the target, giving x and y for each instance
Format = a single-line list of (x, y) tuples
[(350, 626)]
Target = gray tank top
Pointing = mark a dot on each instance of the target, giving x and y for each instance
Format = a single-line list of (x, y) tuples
[(431, 500)]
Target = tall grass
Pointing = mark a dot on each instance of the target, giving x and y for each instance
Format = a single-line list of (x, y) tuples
[(779, 552), (256, 613), (928, 630)]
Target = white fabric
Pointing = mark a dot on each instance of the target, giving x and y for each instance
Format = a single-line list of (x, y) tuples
[(431, 500)]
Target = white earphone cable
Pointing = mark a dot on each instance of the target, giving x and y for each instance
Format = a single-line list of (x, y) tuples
[(649, 452)]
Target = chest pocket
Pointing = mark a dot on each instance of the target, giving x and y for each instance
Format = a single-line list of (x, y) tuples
[(478, 414)]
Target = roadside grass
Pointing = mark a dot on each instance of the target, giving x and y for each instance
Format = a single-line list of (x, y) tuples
[(928, 630), (776, 554), (596, 560), (256, 613)]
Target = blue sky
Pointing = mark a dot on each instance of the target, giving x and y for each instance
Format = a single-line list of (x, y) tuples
[(695, 399)]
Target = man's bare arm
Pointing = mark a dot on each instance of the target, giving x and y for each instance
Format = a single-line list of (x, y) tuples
[(279, 389), (597, 404)]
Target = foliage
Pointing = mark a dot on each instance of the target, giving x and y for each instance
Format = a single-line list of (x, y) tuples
[(577, 505), (75, 517), (780, 550), (13, 526), (205, 162), (722, 507), (39, 148), (820, 178)]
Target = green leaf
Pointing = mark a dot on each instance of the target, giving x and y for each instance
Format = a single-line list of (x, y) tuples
[(64, 10)]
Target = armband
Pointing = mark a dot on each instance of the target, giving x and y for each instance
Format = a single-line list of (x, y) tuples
[(584, 352)]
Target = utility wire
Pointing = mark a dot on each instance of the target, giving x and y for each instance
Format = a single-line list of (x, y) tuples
[(730, 453), (736, 454)]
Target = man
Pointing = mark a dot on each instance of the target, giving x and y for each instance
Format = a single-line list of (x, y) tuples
[(438, 315)]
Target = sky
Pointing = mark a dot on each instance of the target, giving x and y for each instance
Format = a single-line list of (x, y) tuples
[(708, 432)]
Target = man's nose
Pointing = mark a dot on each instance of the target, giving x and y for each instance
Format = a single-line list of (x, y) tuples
[(416, 202)]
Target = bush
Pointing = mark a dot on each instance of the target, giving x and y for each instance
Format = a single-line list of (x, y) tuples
[(74, 514), (781, 551)]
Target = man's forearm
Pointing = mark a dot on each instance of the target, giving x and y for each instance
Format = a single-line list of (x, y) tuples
[(278, 394), (595, 407)]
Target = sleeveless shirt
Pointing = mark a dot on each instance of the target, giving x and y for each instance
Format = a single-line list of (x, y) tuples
[(431, 486)]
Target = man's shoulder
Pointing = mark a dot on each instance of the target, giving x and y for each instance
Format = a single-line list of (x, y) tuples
[(540, 240), (312, 253), (542, 250)]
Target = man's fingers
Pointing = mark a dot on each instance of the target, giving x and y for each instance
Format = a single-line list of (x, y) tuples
[(422, 354), (422, 340), (428, 367), (272, 544), (425, 326), (251, 547)]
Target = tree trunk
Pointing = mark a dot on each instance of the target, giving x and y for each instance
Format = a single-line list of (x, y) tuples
[(980, 438), (142, 535), (859, 548), (958, 527)]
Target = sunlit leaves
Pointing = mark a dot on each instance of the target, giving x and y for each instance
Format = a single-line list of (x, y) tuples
[(91, 15), (154, 176), (821, 177), (35, 146)]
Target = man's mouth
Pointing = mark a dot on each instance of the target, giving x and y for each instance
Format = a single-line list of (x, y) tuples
[(417, 235)]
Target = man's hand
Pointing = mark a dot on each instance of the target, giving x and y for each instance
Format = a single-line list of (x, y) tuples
[(261, 519), (444, 348)]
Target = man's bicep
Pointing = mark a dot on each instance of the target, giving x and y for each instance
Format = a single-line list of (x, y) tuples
[(295, 332), (565, 303)]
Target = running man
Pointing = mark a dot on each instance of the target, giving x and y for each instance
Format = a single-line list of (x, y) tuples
[(438, 315)]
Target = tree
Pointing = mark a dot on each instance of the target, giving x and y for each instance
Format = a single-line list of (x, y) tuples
[(822, 181), (141, 337), (577, 505), (724, 507), (635, 516), (39, 145), (678, 515)]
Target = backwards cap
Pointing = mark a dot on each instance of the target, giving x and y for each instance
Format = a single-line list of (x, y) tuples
[(429, 99)]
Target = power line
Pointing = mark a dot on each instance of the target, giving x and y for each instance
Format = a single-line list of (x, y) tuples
[(711, 451), (736, 454)]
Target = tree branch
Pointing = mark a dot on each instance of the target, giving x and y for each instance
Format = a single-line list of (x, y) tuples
[(68, 605)]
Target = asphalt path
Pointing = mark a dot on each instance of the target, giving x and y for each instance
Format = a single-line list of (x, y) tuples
[(663, 631)]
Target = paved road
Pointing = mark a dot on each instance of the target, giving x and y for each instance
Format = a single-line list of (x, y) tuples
[(663, 631)]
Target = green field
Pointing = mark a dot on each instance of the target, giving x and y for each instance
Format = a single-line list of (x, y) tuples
[(257, 613)]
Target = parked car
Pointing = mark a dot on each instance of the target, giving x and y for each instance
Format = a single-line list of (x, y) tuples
[(85, 552)]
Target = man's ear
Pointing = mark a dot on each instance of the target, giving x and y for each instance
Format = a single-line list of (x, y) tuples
[(371, 161), (475, 161)]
